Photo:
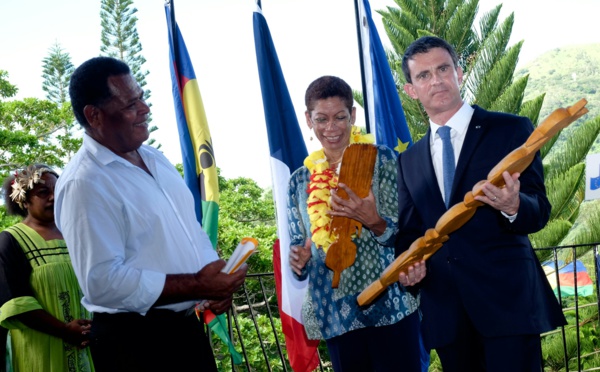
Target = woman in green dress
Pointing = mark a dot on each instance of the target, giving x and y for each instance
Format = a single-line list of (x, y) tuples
[(40, 296)]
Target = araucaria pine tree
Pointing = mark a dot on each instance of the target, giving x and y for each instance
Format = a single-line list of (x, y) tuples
[(57, 70), (120, 40)]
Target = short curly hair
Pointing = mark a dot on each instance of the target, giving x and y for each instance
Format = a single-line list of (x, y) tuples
[(326, 87), (89, 84)]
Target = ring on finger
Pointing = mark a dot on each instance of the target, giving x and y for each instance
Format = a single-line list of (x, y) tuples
[(495, 197)]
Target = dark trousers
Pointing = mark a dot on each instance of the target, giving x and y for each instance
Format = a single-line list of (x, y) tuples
[(3, 339), (471, 352), (162, 340), (383, 349)]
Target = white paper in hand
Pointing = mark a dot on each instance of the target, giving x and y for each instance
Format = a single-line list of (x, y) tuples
[(244, 250)]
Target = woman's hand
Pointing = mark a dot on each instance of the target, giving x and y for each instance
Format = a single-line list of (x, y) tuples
[(77, 332), (299, 256), (363, 210)]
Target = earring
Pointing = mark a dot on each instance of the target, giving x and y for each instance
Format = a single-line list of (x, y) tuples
[(311, 133)]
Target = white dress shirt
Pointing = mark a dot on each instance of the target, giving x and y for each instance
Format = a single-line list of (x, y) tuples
[(459, 124), (126, 230)]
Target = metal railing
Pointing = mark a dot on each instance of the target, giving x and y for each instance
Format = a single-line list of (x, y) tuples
[(255, 327)]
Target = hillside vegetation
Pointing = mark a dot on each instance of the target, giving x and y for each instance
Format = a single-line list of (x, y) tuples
[(566, 75)]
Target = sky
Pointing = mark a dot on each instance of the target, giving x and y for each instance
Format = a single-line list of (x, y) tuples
[(312, 38)]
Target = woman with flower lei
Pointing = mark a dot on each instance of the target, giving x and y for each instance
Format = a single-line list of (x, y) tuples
[(40, 296), (385, 334)]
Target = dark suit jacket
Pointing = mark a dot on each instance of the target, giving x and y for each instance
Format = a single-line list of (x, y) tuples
[(487, 267)]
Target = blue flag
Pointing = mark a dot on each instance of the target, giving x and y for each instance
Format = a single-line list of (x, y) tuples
[(386, 117), (595, 182), (288, 152)]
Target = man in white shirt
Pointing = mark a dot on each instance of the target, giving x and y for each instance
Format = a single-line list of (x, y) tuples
[(484, 299), (141, 258)]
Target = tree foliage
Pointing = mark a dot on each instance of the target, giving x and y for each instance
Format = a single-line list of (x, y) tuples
[(120, 39), (247, 210), (33, 130), (57, 71)]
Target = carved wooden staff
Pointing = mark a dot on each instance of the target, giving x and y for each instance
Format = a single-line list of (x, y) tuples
[(356, 172), (517, 161)]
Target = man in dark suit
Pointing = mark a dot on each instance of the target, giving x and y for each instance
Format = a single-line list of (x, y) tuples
[(484, 299)]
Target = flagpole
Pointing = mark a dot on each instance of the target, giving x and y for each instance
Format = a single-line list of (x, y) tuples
[(175, 41), (362, 67)]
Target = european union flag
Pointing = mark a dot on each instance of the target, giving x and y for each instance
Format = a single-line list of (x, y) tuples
[(386, 115), (595, 182)]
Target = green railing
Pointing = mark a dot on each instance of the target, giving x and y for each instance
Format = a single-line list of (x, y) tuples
[(255, 327)]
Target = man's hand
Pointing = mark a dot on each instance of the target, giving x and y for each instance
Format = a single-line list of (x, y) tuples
[(219, 306), (505, 199), (208, 283), (213, 284), (414, 274), (299, 256)]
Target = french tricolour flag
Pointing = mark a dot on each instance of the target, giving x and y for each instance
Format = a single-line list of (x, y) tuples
[(287, 154)]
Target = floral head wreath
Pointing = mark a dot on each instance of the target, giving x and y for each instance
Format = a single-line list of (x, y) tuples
[(25, 180)]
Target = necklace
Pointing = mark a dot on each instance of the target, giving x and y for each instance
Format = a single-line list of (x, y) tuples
[(323, 179)]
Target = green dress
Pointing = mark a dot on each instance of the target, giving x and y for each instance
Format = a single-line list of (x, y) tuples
[(53, 287)]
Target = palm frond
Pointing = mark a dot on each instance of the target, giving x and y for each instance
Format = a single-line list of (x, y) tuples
[(488, 23), (550, 235), (573, 150), (565, 192), (532, 108), (585, 230), (491, 51), (455, 31), (512, 98)]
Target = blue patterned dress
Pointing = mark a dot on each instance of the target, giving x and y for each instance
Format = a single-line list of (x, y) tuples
[(329, 312)]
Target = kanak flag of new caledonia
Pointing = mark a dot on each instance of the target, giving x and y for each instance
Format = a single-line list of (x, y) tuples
[(199, 167), (287, 154), (386, 116)]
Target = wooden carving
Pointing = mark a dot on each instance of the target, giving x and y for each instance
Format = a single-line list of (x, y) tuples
[(356, 172), (455, 217)]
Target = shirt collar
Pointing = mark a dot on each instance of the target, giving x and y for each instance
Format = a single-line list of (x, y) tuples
[(459, 122), (102, 153)]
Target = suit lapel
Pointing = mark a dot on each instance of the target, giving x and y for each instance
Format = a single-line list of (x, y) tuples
[(428, 173), (474, 135)]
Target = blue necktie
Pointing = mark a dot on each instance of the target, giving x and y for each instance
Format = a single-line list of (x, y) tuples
[(447, 162)]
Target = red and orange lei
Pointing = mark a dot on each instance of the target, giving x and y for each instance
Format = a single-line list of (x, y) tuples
[(323, 179)]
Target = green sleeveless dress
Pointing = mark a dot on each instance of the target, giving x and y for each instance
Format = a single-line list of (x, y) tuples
[(55, 290)]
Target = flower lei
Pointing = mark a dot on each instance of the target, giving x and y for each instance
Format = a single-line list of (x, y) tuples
[(323, 179), (24, 181)]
